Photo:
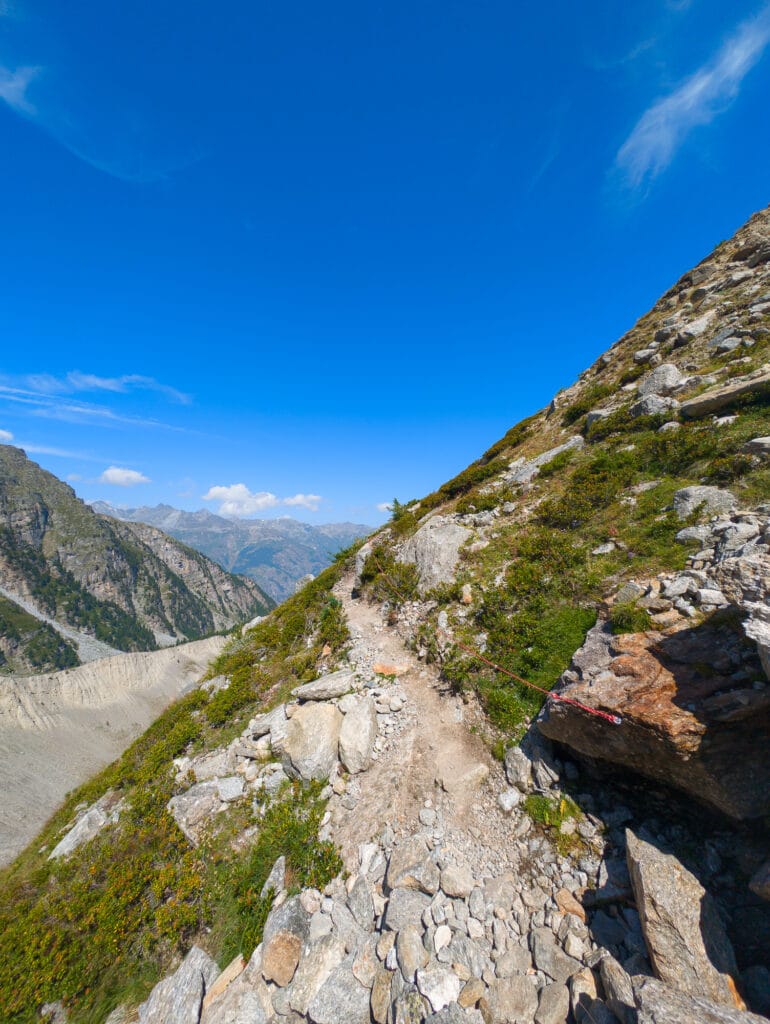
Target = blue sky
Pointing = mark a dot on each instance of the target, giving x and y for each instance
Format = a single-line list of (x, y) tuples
[(300, 258)]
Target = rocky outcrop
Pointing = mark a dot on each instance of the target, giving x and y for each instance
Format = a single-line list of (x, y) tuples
[(686, 942), (435, 550), (658, 1004), (721, 398), (678, 724), (179, 997), (106, 811)]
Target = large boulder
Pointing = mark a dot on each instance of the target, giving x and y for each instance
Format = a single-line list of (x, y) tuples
[(704, 733), (709, 499), (178, 998), (658, 1004), (686, 941), (312, 739), (661, 381), (357, 735), (286, 931), (435, 550)]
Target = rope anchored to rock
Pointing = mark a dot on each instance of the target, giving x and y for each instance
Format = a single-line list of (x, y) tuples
[(549, 694)]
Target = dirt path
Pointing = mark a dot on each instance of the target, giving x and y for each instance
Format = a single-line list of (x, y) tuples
[(433, 761)]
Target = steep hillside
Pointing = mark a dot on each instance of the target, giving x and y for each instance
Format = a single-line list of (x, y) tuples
[(504, 763), (69, 567), (277, 553)]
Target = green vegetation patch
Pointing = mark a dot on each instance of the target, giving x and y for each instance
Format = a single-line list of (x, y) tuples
[(385, 579)]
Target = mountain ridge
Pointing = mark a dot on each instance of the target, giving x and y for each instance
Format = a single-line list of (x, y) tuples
[(277, 553), (128, 588)]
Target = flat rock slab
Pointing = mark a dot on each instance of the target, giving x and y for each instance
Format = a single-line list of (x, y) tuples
[(336, 684), (341, 998), (686, 941), (357, 735), (722, 398)]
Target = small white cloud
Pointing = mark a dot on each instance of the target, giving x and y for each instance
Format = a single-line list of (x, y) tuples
[(5, 436), (662, 128), (308, 501), (238, 500), (384, 506), (13, 88), (74, 477), (123, 477), (78, 381)]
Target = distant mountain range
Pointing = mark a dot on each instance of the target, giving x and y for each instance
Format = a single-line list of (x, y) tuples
[(75, 585), (276, 553)]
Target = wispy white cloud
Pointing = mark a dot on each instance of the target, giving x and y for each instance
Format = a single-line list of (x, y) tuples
[(14, 85), (120, 385), (5, 436), (384, 506), (48, 397), (123, 477), (238, 500), (662, 128)]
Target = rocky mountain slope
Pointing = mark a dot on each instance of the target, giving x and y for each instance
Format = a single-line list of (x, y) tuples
[(372, 815), (69, 576), (277, 553)]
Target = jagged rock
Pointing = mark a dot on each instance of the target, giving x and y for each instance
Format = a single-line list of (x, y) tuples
[(274, 721), (105, 811), (410, 952), (229, 789), (357, 736), (405, 906), (550, 958), (513, 1000), (312, 738), (663, 380), (658, 1004), (285, 932), (327, 687), (178, 998), (667, 712), (509, 800), (723, 397), (653, 405), (315, 967), (408, 1006), (245, 1000), (686, 942), (522, 471), (709, 499), (276, 879), (193, 809), (224, 979), (439, 985), (553, 1007), (618, 990), (380, 998), (410, 867), (457, 881), (435, 550), (518, 769), (361, 904), (340, 998)]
